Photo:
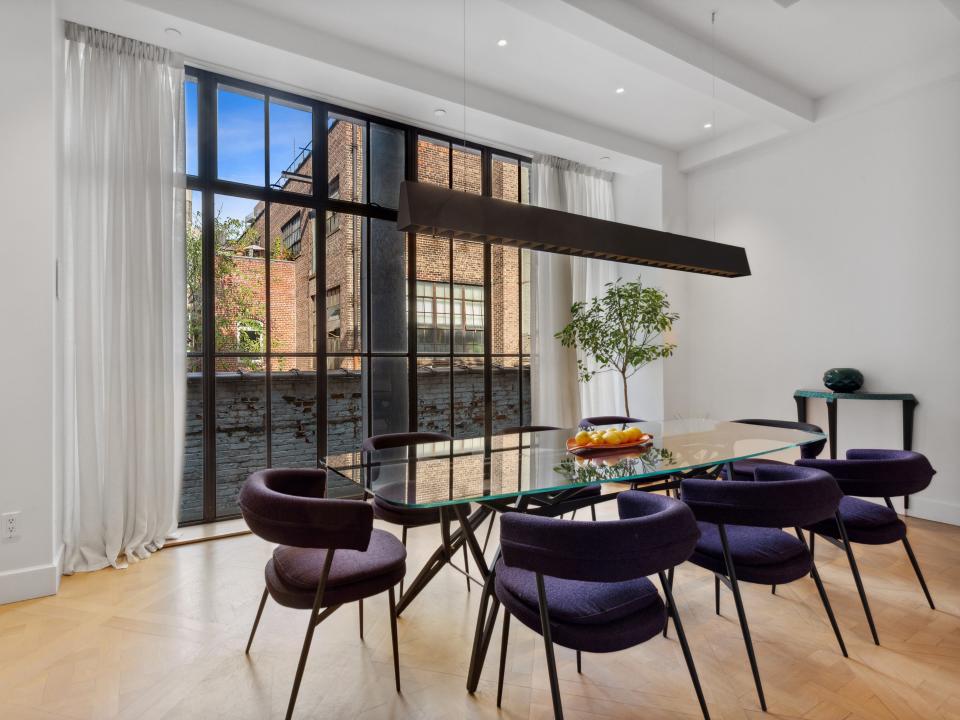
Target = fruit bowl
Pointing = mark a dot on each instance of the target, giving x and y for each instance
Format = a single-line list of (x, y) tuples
[(610, 442)]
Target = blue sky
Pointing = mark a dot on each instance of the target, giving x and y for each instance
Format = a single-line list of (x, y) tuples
[(240, 140)]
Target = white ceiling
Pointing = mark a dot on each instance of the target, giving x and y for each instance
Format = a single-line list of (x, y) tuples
[(763, 72), (541, 63), (816, 46)]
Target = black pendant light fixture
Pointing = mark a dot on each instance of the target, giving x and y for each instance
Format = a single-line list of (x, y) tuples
[(435, 210)]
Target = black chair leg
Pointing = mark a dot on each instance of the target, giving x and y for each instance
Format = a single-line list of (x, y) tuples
[(256, 621), (574, 515), (823, 598), (773, 589), (579, 663), (593, 512), (360, 607), (466, 564), (732, 574), (716, 592), (503, 654), (916, 569), (403, 539), (548, 647), (666, 625), (848, 548), (393, 636), (681, 636), (311, 626)]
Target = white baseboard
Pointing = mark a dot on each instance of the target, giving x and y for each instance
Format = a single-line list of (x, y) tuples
[(936, 510), (31, 582)]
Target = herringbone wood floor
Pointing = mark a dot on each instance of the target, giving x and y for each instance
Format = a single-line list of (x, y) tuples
[(164, 640)]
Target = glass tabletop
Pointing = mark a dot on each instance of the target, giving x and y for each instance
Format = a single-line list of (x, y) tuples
[(507, 466)]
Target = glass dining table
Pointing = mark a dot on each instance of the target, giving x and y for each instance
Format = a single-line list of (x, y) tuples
[(534, 472)]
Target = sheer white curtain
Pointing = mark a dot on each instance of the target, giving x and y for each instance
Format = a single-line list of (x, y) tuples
[(123, 297), (557, 398)]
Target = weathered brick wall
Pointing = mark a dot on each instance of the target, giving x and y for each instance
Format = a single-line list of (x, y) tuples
[(241, 408)]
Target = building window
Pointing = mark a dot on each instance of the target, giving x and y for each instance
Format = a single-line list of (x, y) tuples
[(333, 223), (250, 336), (333, 188), (333, 319), (435, 308), (291, 237)]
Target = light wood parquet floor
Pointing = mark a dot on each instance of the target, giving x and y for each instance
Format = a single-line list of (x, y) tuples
[(163, 640)]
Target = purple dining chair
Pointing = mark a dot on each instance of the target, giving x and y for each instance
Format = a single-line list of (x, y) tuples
[(584, 586), (878, 474), (407, 517), (742, 540), (743, 469), (593, 490), (328, 554), (597, 420)]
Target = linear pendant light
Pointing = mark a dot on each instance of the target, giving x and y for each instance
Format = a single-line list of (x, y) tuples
[(436, 210)]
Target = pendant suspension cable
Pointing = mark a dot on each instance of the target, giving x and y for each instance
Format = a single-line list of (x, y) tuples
[(713, 105), (463, 155)]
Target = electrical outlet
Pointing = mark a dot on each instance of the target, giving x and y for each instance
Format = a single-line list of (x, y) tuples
[(10, 526)]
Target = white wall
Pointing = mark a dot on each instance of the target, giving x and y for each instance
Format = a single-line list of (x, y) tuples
[(852, 229), (637, 200), (28, 181)]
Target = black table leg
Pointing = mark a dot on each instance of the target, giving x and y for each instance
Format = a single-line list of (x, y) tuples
[(832, 426), (908, 407), (452, 542), (486, 619), (801, 408)]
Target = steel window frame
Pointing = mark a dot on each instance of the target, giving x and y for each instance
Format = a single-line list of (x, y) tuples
[(209, 185)]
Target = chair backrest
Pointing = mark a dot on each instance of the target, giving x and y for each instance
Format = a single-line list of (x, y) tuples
[(660, 533), (806, 451), (607, 420), (517, 429), (779, 496), (395, 440), (878, 473), (287, 506)]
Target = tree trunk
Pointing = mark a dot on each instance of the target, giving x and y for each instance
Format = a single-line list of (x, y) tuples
[(626, 400)]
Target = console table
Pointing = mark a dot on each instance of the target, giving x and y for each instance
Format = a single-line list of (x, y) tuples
[(832, 398)]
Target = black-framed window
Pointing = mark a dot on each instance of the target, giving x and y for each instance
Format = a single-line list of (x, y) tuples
[(436, 310), (291, 233), (305, 339)]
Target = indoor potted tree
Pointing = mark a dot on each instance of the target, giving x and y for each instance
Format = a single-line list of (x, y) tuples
[(620, 331)]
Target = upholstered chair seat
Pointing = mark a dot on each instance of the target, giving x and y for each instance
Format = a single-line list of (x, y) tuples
[(866, 522), (761, 555), (293, 574)]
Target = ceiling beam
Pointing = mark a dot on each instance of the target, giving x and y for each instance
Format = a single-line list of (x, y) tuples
[(731, 143), (953, 6), (642, 38)]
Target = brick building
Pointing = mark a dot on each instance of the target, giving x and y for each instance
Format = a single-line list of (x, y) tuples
[(293, 280)]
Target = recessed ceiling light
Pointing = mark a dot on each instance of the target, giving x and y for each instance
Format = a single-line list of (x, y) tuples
[(172, 32), (604, 158), (439, 113), (707, 126), (502, 43), (620, 91)]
